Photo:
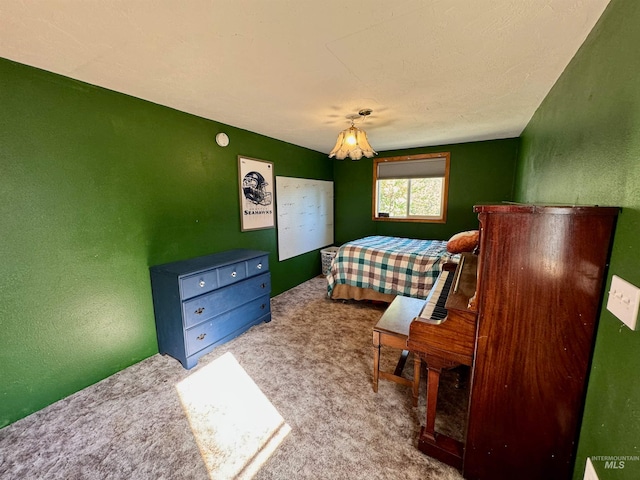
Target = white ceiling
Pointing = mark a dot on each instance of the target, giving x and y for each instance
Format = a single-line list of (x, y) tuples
[(433, 71)]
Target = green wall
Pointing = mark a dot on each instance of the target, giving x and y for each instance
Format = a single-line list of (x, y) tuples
[(95, 187), (583, 146), (480, 172)]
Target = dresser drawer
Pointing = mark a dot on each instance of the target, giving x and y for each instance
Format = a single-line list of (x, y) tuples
[(198, 284), (216, 329), (232, 273), (256, 266), (201, 308)]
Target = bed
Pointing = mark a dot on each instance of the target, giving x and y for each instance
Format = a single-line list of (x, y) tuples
[(379, 268)]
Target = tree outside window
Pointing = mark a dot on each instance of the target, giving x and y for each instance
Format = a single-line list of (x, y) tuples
[(411, 188)]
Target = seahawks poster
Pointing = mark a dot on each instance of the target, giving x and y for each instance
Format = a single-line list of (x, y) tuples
[(256, 194)]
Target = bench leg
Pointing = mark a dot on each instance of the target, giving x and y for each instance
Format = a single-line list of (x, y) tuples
[(376, 359)]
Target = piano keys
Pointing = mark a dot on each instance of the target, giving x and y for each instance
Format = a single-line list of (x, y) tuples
[(443, 343), (434, 308)]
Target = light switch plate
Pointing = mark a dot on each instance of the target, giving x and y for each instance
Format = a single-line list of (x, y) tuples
[(589, 471), (623, 302)]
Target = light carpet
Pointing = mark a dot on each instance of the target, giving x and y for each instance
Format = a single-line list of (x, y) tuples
[(289, 399)]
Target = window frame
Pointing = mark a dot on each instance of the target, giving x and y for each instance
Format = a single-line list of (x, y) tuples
[(412, 218)]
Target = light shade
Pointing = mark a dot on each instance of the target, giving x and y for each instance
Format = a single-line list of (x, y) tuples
[(352, 143)]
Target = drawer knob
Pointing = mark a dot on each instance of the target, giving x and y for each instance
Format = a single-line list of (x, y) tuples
[(262, 307), (233, 274), (201, 336), (264, 285), (199, 311), (259, 266), (202, 284)]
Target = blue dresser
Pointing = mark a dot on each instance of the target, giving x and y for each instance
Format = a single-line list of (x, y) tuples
[(205, 301)]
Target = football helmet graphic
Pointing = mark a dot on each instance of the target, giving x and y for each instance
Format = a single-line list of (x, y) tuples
[(254, 188)]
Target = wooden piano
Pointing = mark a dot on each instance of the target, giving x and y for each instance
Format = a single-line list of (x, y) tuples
[(523, 314), (443, 336)]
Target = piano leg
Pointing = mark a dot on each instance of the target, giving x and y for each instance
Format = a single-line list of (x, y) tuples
[(433, 383), (431, 442)]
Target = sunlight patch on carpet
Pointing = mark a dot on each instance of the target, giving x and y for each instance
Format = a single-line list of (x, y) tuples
[(235, 425)]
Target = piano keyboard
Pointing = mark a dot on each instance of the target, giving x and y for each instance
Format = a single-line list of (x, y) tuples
[(434, 306)]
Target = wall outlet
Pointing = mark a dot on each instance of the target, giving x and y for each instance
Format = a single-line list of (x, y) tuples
[(589, 471), (623, 301)]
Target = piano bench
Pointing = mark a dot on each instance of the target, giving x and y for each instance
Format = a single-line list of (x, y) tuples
[(392, 330)]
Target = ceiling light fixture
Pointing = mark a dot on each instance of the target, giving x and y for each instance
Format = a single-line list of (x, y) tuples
[(353, 142)]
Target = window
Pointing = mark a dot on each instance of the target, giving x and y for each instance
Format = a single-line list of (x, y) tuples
[(412, 188)]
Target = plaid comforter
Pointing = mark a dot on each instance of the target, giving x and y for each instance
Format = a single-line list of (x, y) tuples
[(400, 266)]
